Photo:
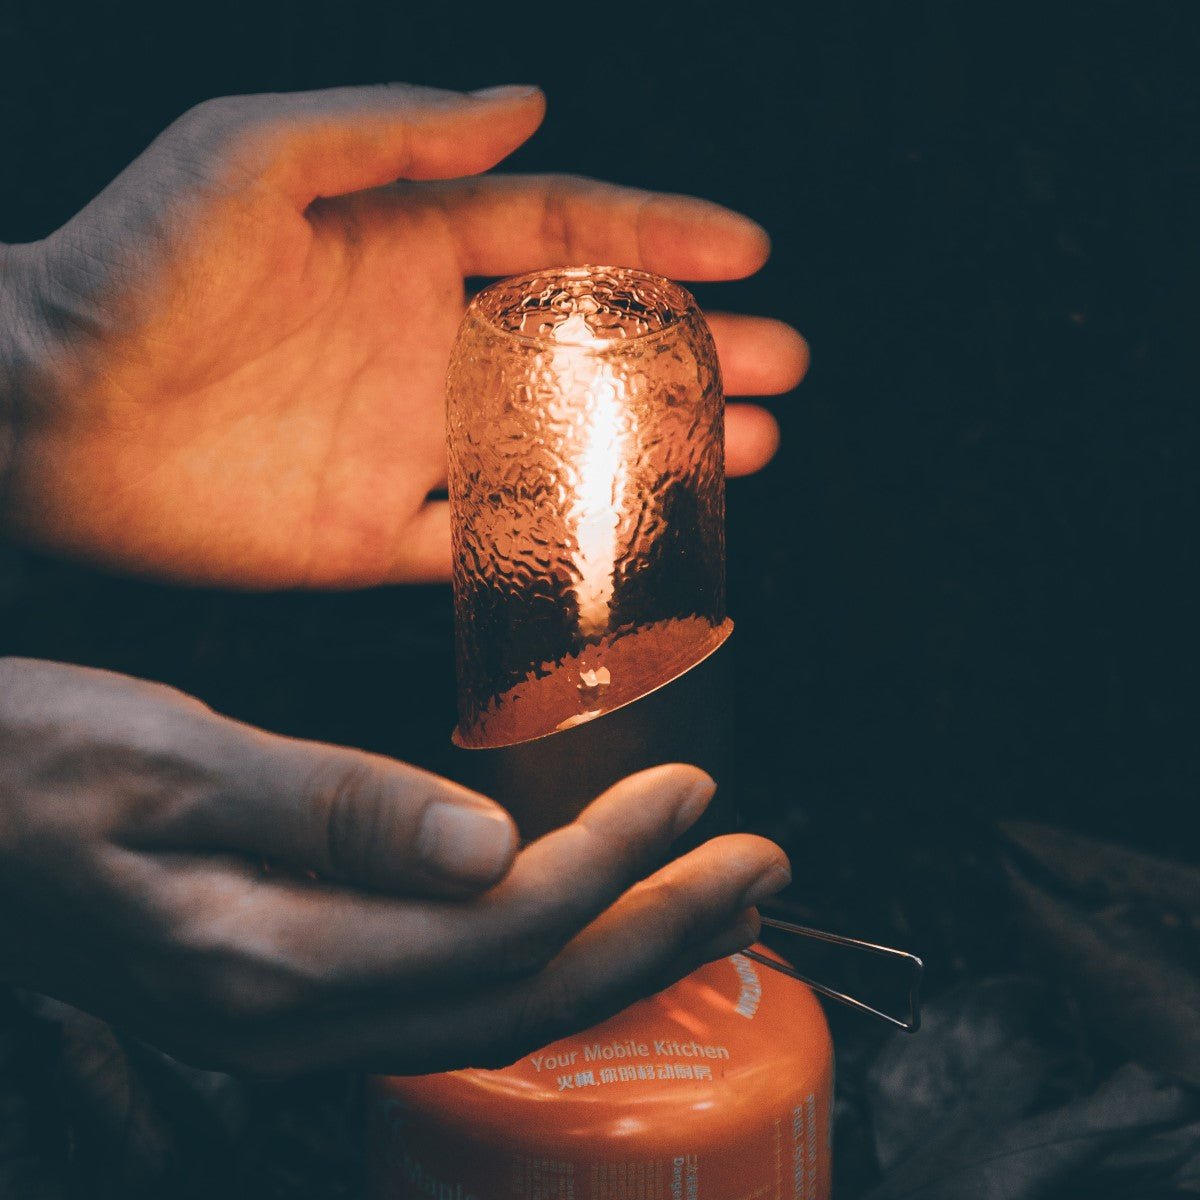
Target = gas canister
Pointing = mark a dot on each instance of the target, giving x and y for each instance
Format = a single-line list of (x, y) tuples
[(718, 1088)]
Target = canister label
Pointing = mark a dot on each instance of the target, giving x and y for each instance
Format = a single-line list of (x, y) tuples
[(717, 1089)]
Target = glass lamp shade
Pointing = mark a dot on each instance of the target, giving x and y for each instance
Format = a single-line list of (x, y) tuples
[(585, 418)]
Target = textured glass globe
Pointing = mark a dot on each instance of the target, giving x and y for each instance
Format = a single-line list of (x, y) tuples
[(585, 418)]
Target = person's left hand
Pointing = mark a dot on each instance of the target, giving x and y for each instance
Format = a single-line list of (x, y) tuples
[(229, 367)]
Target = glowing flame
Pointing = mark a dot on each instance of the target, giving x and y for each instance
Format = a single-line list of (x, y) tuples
[(600, 472)]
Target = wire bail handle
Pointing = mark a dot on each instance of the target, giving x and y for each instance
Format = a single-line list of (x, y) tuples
[(916, 968)]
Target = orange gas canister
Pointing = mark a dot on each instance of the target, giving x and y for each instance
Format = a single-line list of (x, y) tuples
[(718, 1088)]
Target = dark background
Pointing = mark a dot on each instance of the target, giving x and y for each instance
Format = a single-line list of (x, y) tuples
[(965, 590), (967, 584)]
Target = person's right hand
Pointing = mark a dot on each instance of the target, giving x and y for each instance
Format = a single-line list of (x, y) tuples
[(405, 934)]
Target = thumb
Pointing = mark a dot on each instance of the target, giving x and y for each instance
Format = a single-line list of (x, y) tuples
[(341, 140), (351, 816)]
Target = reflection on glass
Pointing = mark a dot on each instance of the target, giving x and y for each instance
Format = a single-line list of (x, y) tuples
[(586, 441)]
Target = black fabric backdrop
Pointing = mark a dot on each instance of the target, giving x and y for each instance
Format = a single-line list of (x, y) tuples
[(965, 592)]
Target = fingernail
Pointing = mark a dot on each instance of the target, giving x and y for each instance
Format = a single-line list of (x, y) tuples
[(507, 91), (766, 885), (693, 802), (737, 937), (464, 843)]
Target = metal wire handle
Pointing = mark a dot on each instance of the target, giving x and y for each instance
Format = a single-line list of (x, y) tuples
[(915, 965)]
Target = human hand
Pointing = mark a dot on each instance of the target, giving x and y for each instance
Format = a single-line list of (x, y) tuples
[(229, 368), (134, 824)]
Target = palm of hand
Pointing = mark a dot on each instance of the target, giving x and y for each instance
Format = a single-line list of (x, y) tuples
[(277, 389), (247, 379)]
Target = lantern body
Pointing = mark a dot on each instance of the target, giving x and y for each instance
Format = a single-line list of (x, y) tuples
[(585, 419)]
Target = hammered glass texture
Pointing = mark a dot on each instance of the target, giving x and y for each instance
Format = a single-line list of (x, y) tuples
[(585, 418)]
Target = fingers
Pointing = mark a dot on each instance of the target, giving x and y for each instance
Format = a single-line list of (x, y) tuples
[(350, 816), (341, 945), (557, 885), (571, 875), (751, 439), (690, 912), (341, 140), (686, 914), (504, 225), (759, 356)]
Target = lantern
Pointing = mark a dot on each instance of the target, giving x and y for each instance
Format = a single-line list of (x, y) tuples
[(585, 423)]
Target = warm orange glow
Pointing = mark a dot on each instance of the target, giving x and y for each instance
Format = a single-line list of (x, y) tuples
[(586, 479), (600, 472)]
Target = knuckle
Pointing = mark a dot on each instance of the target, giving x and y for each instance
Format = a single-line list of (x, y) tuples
[(555, 221), (353, 813), (203, 124), (223, 129), (567, 183), (202, 115), (215, 108)]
